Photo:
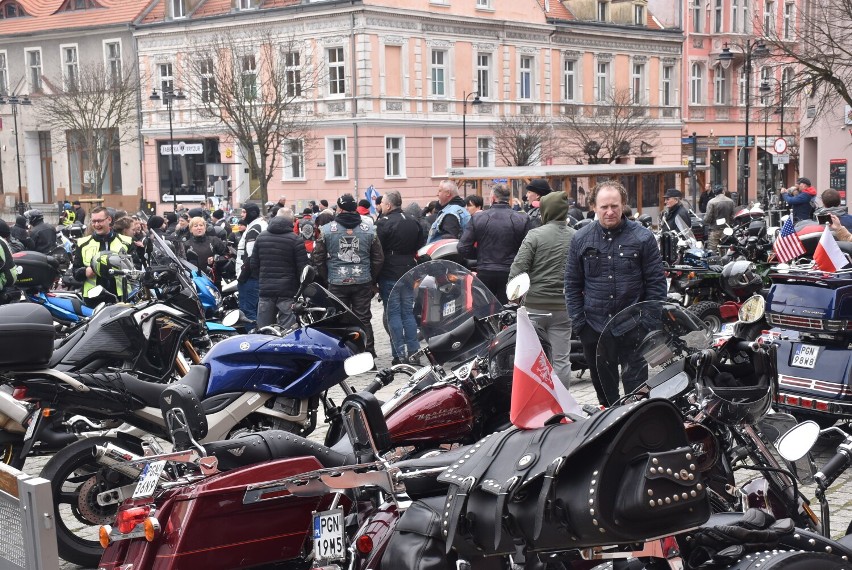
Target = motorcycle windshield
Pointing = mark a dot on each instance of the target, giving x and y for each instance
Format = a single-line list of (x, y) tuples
[(640, 343), (162, 254), (437, 304)]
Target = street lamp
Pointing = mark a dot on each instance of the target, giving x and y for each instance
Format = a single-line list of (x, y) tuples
[(168, 97), (476, 101), (14, 101), (751, 49)]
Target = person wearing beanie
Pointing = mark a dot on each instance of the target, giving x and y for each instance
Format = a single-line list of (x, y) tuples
[(156, 223), (79, 212), (20, 232), (249, 284), (536, 190), (14, 243), (348, 255), (364, 210), (542, 256), (220, 225), (801, 199), (171, 222)]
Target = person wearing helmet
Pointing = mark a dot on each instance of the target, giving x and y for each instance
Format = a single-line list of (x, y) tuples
[(719, 207), (67, 217), (42, 233), (102, 238)]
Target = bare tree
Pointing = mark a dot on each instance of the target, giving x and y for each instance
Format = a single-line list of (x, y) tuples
[(819, 47), (525, 140), (608, 131), (257, 85), (95, 109)]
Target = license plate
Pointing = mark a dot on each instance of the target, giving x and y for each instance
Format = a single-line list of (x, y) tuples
[(32, 427), (449, 308), (148, 479), (329, 542), (728, 329), (805, 357)]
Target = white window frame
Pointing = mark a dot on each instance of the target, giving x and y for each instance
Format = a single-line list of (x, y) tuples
[(639, 17), (668, 86), (787, 77), (392, 153), (293, 73), (721, 89), (484, 152), (440, 2), (207, 80), (603, 81), (746, 18), (484, 5), (332, 156), (113, 65), (526, 78), (768, 17), (603, 11), (789, 21), (483, 75), (735, 16), (767, 76), (638, 83), (243, 5), (718, 16), (4, 72), (165, 81), (569, 79), (741, 86), (696, 83), (70, 68), (697, 17), (294, 156), (35, 82), (177, 9), (438, 72), (336, 71), (251, 72)]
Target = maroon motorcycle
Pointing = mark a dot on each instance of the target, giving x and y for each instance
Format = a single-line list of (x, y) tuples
[(220, 505)]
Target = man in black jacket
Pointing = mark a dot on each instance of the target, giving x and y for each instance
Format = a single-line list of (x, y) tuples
[(401, 236), (674, 211), (19, 231), (278, 258), (493, 237), (42, 233)]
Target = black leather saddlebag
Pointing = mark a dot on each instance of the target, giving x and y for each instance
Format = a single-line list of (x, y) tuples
[(624, 475)]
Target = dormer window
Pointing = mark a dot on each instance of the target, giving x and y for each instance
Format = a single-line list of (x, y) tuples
[(12, 9), (178, 8), (639, 15), (603, 11), (246, 4), (74, 5)]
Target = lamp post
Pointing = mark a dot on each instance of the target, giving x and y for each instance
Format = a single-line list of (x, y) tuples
[(168, 97), (751, 49), (14, 101), (476, 101), (765, 90)]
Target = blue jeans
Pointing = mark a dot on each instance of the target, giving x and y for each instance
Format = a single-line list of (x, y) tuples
[(249, 297), (400, 314)]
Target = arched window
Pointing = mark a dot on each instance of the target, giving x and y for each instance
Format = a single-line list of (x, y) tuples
[(696, 84), (11, 9)]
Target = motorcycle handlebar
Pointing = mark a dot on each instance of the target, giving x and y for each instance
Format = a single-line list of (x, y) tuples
[(832, 469)]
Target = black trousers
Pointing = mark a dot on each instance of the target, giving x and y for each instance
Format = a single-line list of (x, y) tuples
[(358, 298), (616, 357), (496, 283)]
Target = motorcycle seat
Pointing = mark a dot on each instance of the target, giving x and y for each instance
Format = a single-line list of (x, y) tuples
[(273, 444), (196, 379), (147, 392), (427, 484)]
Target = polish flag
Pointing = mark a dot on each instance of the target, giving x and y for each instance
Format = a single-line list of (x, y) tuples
[(537, 392), (828, 256)]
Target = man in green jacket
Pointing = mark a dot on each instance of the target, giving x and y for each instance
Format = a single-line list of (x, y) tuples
[(542, 255)]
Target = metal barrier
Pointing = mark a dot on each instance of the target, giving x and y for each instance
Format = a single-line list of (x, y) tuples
[(27, 529)]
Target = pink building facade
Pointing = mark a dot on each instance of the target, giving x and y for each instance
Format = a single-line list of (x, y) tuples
[(394, 109)]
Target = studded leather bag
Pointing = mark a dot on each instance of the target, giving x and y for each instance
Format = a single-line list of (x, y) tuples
[(623, 475)]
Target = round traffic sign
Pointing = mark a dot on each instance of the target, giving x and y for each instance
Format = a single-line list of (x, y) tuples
[(780, 145)]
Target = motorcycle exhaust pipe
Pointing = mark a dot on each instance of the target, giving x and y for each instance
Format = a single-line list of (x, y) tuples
[(116, 458), (11, 407)]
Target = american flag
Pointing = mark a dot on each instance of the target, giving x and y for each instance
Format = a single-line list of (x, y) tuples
[(788, 245)]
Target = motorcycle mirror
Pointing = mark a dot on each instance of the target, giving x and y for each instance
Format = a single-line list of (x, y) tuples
[(728, 231), (518, 286), (794, 444), (752, 310), (358, 364), (308, 275), (232, 318), (95, 291), (721, 221)]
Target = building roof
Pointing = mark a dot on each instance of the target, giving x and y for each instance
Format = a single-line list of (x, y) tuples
[(208, 8), (557, 10), (45, 15)]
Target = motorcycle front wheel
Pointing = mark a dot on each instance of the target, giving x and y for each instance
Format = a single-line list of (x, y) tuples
[(75, 481)]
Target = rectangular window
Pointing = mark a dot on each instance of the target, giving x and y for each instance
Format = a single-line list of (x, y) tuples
[(208, 81), (4, 74), (768, 17), (697, 18), (81, 166), (696, 83), (789, 21), (247, 4), (486, 4), (637, 81), (112, 57), (741, 86), (603, 11), (526, 78), (569, 80), (178, 8), (293, 73), (745, 19), (70, 67), (717, 20), (602, 82), (484, 152), (438, 73), (735, 16), (34, 70), (720, 85), (294, 159), (249, 77), (336, 71), (483, 74), (765, 74), (394, 157), (167, 79), (639, 15), (668, 85), (337, 167)]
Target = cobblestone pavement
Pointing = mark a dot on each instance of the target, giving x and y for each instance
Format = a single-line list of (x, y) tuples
[(840, 496)]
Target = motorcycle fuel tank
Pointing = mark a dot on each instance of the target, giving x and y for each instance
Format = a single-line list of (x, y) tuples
[(440, 413), (300, 364)]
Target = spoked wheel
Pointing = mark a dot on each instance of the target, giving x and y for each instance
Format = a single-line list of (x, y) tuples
[(76, 479)]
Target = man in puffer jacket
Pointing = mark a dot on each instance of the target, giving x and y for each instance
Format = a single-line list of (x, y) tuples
[(542, 255), (20, 231), (800, 199), (612, 264), (277, 259)]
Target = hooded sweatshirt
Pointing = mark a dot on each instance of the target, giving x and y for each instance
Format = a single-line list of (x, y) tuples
[(543, 254)]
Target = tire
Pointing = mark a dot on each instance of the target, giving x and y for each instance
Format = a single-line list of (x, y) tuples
[(10, 454), (72, 469), (708, 312)]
